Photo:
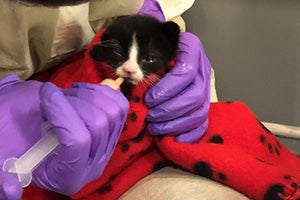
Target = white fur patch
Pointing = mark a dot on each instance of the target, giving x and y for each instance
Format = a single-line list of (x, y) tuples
[(130, 68)]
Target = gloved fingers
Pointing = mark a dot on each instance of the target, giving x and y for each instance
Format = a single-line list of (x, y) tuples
[(103, 155), (188, 100), (99, 91), (9, 80), (193, 135), (112, 102), (152, 7), (96, 122), (10, 187), (103, 98), (181, 75), (180, 125), (103, 139), (74, 138)]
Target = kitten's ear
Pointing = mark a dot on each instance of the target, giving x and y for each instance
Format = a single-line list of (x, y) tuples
[(172, 31), (98, 53)]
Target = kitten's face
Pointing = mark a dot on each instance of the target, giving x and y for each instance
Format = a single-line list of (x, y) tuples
[(137, 47)]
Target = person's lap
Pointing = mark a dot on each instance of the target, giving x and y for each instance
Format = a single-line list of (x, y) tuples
[(172, 184)]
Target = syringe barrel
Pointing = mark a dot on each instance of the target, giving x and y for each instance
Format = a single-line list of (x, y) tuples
[(33, 156)]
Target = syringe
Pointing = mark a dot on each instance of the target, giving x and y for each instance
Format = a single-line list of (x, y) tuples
[(23, 167)]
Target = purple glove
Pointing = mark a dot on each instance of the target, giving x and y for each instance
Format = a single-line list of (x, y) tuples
[(86, 127), (152, 7), (179, 102), (10, 187)]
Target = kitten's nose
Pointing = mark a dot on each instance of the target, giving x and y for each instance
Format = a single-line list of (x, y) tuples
[(129, 69)]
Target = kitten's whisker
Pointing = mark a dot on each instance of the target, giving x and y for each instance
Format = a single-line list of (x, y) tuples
[(118, 54), (108, 70), (150, 80), (112, 41), (111, 44)]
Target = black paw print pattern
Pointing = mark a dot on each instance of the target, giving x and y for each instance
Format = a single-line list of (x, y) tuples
[(204, 169), (268, 139), (280, 191), (216, 138)]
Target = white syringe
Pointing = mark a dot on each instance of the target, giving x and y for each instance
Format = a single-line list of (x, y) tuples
[(22, 167)]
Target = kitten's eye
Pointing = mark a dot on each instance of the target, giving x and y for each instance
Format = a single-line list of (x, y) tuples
[(148, 59)]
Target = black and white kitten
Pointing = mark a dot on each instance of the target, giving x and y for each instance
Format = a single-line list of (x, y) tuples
[(138, 46)]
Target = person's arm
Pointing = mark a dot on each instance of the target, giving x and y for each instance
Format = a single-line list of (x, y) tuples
[(87, 130), (166, 10), (38, 37)]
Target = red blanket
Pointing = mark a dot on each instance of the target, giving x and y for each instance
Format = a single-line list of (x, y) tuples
[(236, 150)]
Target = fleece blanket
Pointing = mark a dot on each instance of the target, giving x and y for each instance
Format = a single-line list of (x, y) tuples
[(236, 150)]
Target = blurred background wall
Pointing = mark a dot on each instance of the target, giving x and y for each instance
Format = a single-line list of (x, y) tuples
[(254, 47)]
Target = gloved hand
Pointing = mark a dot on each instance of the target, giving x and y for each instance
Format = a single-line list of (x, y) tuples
[(86, 127), (10, 188), (152, 7), (179, 102)]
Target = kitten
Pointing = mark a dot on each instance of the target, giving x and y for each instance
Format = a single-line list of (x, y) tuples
[(137, 47)]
